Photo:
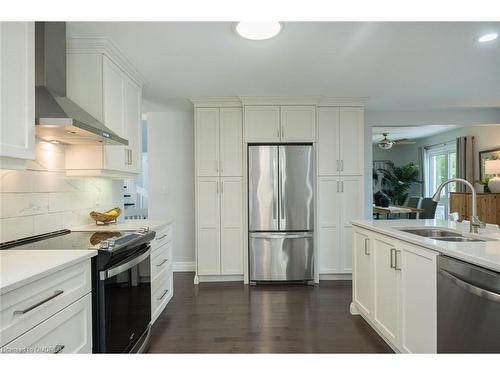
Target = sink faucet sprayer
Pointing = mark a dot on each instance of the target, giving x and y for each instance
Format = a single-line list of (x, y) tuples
[(475, 223)]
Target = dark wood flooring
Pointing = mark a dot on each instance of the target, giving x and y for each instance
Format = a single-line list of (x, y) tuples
[(234, 318)]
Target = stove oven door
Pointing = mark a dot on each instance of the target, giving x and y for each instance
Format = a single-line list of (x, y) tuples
[(125, 304)]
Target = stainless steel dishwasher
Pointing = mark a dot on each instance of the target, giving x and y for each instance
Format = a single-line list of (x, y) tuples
[(468, 308)]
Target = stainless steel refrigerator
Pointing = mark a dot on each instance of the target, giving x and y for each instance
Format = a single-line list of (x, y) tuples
[(281, 212)]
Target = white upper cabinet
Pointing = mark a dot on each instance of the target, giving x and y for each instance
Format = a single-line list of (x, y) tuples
[(17, 94), (106, 90), (262, 123), (340, 141), (298, 123), (133, 100), (328, 141), (218, 142), (231, 142), (207, 141), (287, 123), (351, 144)]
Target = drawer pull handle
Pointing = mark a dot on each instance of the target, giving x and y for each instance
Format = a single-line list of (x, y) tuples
[(162, 263), (162, 295), (162, 237), (21, 312), (58, 349)]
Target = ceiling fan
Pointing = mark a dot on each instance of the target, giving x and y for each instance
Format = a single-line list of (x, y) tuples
[(387, 144)]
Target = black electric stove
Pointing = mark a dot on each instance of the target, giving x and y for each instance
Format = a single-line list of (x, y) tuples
[(121, 283)]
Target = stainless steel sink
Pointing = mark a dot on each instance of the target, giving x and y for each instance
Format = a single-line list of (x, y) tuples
[(432, 232), (440, 234)]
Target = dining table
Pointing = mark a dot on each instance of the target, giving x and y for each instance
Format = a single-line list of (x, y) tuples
[(390, 210)]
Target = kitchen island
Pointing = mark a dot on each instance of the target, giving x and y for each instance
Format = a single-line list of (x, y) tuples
[(395, 275)]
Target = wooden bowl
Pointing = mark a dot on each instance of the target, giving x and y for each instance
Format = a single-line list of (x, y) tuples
[(106, 217)]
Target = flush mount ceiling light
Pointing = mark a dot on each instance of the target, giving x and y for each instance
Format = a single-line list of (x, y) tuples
[(485, 38), (258, 30)]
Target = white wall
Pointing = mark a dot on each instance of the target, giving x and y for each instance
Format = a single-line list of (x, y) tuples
[(43, 199), (464, 117), (171, 178)]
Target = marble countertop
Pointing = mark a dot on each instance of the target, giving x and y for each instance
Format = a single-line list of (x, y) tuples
[(124, 226), (21, 267), (484, 254)]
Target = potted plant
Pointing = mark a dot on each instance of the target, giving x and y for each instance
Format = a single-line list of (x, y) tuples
[(396, 181), (484, 182)]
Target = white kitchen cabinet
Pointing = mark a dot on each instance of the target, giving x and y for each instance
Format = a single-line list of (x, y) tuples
[(17, 94), (286, 123), (207, 141), (328, 141), (68, 331), (395, 288), (340, 141), (386, 280), (219, 226), (362, 267), (418, 299), (208, 225), (109, 94), (338, 203), (298, 123), (231, 207), (351, 145), (231, 142), (262, 123), (218, 142)]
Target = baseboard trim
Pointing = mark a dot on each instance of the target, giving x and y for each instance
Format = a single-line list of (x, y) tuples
[(184, 267), (335, 276), (219, 278)]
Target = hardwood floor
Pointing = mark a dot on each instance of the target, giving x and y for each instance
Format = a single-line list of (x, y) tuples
[(234, 318)]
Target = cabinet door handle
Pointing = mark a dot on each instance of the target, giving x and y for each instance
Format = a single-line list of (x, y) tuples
[(367, 251), (342, 184), (342, 165), (393, 253), (217, 187), (397, 266), (130, 151), (221, 166), (222, 187), (162, 262), (162, 295), (338, 186), (161, 237), (126, 155), (56, 293), (58, 349)]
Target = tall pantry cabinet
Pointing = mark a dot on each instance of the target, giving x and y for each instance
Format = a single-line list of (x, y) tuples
[(340, 144), (219, 193)]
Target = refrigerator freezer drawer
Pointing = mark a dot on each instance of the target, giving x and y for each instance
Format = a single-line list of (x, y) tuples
[(281, 256)]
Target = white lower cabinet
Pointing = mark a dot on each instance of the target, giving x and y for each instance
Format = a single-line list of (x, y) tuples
[(68, 331), (162, 278), (394, 288), (49, 315), (338, 204), (219, 226)]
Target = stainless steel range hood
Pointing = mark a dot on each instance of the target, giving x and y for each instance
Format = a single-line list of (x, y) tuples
[(57, 117)]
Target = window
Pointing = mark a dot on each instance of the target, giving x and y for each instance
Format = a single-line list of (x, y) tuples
[(440, 165)]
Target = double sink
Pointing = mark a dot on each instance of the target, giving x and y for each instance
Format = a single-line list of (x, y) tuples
[(440, 234)]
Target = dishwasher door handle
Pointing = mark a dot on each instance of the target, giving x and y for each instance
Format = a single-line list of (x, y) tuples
[(473, 289)]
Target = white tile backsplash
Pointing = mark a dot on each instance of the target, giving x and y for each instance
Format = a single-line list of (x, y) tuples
[(43, 199)]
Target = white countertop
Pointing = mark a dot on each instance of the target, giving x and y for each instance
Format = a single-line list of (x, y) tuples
[(124, 226), (21, 267), (484, 254)]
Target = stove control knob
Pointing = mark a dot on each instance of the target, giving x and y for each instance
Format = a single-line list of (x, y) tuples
[(104, 245), (143, 230)]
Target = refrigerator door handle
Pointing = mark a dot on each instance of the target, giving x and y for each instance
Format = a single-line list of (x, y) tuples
[(282, 191), (287, 235)]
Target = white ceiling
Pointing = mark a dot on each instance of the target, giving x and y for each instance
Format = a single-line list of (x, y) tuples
[(409, 132), (396, 65)]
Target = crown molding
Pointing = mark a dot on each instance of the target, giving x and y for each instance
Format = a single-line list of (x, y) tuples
[(105, 46), (216, 101), (280, 100)]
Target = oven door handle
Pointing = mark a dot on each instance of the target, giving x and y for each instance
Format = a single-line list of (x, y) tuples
[(480, 292), (103, 275)]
